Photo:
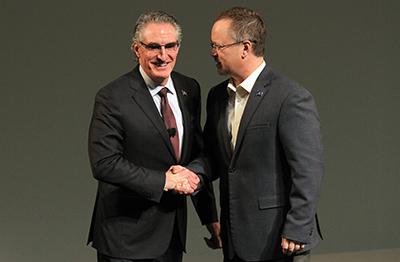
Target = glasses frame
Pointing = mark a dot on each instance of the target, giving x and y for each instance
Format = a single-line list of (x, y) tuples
[(217, 47), (168, 47)]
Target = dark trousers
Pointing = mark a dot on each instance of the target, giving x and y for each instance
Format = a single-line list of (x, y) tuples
[(167, 257), (173, 253), (305, 257)]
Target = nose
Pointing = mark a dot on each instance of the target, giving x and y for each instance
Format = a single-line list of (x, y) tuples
[(162, 53), (213, 52)]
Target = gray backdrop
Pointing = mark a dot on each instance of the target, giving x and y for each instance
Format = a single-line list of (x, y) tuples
[(55, 55)]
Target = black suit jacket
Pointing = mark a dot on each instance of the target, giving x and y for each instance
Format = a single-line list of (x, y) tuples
[(130, 151), (269, 184)]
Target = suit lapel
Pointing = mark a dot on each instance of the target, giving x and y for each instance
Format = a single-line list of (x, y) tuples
[(257, 94), (182, 95), (224, 133), (144, 100)]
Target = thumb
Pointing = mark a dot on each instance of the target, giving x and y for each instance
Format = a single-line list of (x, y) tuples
[(176, 169)]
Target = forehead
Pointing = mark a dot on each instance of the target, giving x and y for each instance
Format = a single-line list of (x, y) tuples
[(221, 30), (159, 33)]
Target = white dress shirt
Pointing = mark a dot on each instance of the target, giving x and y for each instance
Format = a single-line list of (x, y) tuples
[(172, 100)]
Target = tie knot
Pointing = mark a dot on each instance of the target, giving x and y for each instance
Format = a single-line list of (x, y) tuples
[(163, 92)]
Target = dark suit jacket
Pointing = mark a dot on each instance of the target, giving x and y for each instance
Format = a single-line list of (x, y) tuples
[(130, 151), (269, 184)]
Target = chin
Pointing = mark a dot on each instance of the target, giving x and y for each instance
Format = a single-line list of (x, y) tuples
[(221, 71), (159, 78), (166, 71), (163, 75)]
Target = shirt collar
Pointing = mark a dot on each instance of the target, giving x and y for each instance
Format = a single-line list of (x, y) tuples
[(152, 86), (249, 82)]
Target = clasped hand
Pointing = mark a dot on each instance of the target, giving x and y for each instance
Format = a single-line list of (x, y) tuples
[(181, 180)]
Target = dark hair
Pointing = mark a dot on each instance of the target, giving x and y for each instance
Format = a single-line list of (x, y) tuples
[(246, 25)]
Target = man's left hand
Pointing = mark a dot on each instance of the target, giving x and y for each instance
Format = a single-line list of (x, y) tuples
[(289, 246), (214, 242)]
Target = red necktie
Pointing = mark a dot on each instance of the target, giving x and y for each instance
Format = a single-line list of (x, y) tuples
[(169, 121)]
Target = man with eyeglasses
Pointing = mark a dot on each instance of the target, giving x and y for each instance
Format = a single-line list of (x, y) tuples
[(145, 149), (262, 139)]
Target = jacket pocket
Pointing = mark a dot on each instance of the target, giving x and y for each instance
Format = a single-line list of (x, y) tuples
[(265, 125), (272, 202)]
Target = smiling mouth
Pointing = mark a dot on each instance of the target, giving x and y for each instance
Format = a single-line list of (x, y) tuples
[(163, 64)]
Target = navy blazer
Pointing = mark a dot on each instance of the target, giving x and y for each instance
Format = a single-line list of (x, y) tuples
[(270, 182)]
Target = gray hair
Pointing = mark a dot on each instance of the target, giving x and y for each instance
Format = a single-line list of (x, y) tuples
[(155, 17)]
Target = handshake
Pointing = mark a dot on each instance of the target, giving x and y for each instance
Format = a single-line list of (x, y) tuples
[(181, 180)]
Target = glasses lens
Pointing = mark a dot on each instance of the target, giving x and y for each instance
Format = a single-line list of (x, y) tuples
[(171, 46), (157, 47), (153, 46)]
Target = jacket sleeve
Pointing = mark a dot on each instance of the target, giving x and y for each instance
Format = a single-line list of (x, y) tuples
[(211, 140), (299, 133), (106, 152), (204, 199), (204, 203)]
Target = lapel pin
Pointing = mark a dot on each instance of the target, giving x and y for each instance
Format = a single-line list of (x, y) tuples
[(259, 93), (184, 93)]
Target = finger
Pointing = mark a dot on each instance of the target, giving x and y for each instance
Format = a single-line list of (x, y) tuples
[(291, 246), (296, 247), (284, 246), (193, 186), (210, 243), (191, 183), (189, 174), (188, 186), (194, 178), (176, 169), (183, 188), (218, 241), (178, 188), (180, 179), (187, 189)]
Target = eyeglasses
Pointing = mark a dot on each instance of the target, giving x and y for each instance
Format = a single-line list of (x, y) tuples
[(217, 47), (154, 47)]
